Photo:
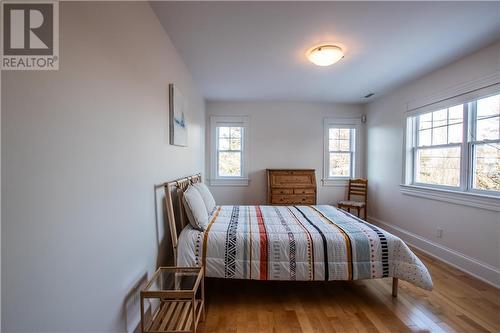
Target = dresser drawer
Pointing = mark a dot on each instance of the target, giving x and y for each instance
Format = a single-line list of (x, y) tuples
[(289, 179), (292, 199), (282, 191), (304, 191)]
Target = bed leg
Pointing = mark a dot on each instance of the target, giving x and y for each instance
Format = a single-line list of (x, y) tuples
[(394, 287)]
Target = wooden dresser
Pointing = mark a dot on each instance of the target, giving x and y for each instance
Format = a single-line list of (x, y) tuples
[(291, 187)]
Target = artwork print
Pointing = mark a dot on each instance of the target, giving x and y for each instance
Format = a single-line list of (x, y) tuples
[(178, 123)]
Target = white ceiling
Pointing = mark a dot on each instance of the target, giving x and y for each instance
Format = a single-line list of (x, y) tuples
[(255, 50)]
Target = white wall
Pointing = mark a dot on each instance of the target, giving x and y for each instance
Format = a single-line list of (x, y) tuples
[(282, 135), (471, 237), (82, 148)]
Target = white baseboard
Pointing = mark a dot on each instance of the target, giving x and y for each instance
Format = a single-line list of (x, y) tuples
[(474, 267)]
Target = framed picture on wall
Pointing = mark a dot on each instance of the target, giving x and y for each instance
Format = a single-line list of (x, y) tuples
[(178, 122)]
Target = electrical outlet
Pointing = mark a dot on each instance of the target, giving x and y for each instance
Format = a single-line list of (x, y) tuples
[(439, 232)]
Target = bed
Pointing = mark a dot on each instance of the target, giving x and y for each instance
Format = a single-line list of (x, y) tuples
[(291, 243)]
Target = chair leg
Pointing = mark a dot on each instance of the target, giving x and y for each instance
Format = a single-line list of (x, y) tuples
[(357, 211), (364, 212)]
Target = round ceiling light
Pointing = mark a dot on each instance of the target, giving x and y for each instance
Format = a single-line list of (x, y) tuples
[(325, 55)]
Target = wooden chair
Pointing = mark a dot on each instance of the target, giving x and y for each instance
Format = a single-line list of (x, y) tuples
[(359, 188)]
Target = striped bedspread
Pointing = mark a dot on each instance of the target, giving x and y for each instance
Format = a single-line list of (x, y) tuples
[(297, 243)]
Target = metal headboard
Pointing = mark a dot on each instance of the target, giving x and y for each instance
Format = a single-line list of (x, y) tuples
[(179, 186)]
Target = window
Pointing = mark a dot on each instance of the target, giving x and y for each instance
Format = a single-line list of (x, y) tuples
[(485, 144), (229, 150), (439, 138), (229, 146), (340, 150), (456, 147)]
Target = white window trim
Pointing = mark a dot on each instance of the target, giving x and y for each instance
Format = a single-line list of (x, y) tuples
[(471, 199), (462, 93), (240, 121), (328, 123)]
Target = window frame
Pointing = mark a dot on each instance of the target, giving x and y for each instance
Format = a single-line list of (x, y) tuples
[(472, 142), (415, 148), (356, 163), (228, 121), (465, 189)]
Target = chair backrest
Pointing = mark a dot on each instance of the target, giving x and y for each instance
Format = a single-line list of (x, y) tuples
[(358, 187)]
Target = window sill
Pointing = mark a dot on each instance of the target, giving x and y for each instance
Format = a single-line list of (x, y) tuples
[(332, 182), (230, 182), (460, 198)]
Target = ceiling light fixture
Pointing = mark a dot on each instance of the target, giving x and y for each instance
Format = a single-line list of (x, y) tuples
[(325, 55)]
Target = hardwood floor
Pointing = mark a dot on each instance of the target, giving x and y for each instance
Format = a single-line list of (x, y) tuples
[(458, 303)]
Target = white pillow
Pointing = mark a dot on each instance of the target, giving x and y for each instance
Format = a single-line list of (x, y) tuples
[(207, 197), (195, 208)]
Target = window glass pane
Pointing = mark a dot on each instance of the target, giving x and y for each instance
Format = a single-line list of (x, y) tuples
[(456, 115), (439, 118), (424, 137), (333, 145), (488, 120), (235, 132), (344, 145), (488, 128), (223, 132), (487, 167), (455, 124), (235, 144), (441, 127), (489, 106), (223, 144), (340, 165), (334, 133), (455, 133), (229, 164), (339, 145), (344, 133), (440, 166), (439, 136), (425, 121)]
